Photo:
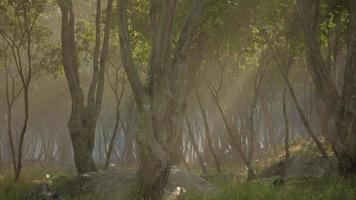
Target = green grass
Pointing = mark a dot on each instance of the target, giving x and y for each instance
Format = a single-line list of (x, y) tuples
[(30, 177), (11, 190), (299, 189), (309, 189)]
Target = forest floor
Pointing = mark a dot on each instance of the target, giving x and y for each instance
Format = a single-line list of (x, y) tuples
[(325, 188), (230, 185)]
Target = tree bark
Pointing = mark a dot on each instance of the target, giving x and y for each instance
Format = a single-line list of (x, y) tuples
[(83, 117), (337, 112), (161, 105), (345, 144)]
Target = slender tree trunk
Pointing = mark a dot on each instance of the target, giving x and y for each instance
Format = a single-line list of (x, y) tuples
[(286, 123), (117, 121), (196, 147), (112, 140), (235, 144), (281, 62), (207, 133), (268, 123), (25, 77)]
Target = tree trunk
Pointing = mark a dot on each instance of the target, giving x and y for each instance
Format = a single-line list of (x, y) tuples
[(161, 104), (83, 117), (237, 145), (196, 147), (117, 122), (25, 77), (282, 64), (345, 144), (338, 113), (207, 133), (153, 172), (286, 123)]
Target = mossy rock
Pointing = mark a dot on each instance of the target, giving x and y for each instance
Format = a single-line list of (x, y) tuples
[(301, 166), (115, 184)]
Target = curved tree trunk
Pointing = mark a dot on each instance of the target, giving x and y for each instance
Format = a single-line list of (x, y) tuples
[(83, 117), (161, 105), (153, 172)]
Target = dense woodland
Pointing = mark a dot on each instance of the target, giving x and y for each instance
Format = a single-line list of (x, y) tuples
[(205, 85)]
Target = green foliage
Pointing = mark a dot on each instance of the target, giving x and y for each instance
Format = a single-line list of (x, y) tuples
[(85, 38), (22, 6), (51, 60)]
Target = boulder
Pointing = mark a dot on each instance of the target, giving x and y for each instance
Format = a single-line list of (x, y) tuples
[(301, 167), (42, 192), (115, 184)]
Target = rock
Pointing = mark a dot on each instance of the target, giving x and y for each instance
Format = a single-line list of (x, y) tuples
[(301, 167), (115, 184), (181, 181), (278, 182), (42, 192)]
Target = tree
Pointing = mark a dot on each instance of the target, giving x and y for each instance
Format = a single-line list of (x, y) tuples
[(84, 113), (235, 140), (207, 131), (161, 104), (114, 85), (19, 39), (195, 146), (337, 111)]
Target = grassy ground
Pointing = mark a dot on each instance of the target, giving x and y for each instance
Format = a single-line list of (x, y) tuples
[(30, 177), (308, 189), (327, 188)]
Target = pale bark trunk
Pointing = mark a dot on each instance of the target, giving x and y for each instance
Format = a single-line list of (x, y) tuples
[(153, 172), (162, 104)]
